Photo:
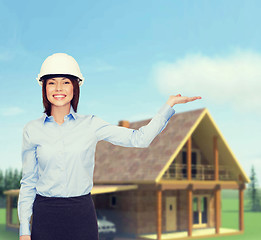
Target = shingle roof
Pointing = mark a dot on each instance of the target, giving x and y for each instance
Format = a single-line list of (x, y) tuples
[(123, 164)]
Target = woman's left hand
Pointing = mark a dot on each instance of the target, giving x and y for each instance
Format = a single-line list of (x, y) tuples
[(176, 99)]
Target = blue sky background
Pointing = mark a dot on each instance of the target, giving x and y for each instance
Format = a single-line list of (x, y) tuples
[(133, 55)]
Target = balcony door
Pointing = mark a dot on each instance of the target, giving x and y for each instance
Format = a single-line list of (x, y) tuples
[(200, 211), (194, 162)]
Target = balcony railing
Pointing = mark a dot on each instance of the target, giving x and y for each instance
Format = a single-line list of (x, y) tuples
[(198, 172)]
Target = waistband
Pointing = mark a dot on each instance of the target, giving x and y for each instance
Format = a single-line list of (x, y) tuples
[(75, 198), (37, 194)]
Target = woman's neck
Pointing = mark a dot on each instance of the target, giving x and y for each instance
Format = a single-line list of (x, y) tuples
[(59, 112)]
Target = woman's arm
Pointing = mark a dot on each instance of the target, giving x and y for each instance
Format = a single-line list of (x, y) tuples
[(128, 137), (28, 182), (142, 137)]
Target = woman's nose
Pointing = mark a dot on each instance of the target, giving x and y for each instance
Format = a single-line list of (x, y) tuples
[(58, 86)]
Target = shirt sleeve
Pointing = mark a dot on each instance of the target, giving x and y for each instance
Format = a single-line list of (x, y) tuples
[(28, 182), (128, 137)]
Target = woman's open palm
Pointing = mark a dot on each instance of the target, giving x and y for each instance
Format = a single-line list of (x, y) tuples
[(176, 99)]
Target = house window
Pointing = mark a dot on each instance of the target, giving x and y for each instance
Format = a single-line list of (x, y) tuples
[(195, 160), (113, 201)]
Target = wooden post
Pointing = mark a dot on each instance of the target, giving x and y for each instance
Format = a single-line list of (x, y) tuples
[(189, 207), (8, 212), (189, 158), (159, 215), (241, 207), (216, 160), (217, 209)]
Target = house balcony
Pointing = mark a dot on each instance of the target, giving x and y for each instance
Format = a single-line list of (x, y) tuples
[(198, 172)]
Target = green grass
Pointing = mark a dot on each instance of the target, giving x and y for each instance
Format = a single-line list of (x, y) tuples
[(230, 216), (6, 235), (252, 226), (229, 219)]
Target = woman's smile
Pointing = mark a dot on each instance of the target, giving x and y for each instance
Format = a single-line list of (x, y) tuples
[(59, 96)]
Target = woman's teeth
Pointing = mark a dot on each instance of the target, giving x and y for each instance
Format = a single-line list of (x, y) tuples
[(59, 96)]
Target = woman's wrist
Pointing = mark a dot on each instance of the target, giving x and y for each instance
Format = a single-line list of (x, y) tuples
[(170, 103)]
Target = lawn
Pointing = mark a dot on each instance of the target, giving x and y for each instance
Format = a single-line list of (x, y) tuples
[(230, 216), (6, 235), (229, 219)]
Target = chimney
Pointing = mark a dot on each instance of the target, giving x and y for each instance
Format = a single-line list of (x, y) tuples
[(124, 123)]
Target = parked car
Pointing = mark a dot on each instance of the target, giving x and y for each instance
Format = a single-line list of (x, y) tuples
[(107, 229)]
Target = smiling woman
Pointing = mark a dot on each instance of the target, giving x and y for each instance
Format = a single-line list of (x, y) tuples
[(57, 84), (57, 211)]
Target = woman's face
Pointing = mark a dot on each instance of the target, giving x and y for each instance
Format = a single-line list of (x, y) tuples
[(59, 91)]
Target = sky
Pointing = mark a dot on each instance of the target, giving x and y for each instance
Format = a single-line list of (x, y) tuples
[(134, 54)]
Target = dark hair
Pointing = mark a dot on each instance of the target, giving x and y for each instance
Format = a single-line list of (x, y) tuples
[(76, 91)]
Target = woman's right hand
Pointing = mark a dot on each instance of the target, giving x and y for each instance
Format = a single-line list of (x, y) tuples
[(25, 237), (176, 99)]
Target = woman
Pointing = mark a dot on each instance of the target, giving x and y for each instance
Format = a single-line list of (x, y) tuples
[(58, 156)]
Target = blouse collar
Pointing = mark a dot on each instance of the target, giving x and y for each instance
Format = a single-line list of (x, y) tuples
[(72, 114)]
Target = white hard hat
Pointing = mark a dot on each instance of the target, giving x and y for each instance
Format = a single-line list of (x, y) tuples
[(60, 63)]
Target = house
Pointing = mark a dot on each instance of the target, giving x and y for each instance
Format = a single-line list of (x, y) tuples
[(170, 190), (178, 180)]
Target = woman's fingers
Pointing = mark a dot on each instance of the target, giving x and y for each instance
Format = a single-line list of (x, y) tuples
[(186, 99), (176, 99), (193, 98)]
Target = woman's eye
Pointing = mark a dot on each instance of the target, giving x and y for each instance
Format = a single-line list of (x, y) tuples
[(50, 83), (67, 82)]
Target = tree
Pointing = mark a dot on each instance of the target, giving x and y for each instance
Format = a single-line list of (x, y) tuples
[(2, 183), (9, 180), (253, 192), (16, 179)]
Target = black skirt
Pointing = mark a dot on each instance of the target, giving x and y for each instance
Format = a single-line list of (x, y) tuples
[(64, 218)]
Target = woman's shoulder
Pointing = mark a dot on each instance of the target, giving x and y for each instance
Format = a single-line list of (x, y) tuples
[(89, 119), (38, 122), (84, 116)]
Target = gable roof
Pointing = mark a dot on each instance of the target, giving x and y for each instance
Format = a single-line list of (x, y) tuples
[(117, 164)]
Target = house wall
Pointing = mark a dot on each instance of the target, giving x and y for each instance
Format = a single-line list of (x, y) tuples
[(124, 214), (182, 223), (147, 210), (147, 216), (136, 210)]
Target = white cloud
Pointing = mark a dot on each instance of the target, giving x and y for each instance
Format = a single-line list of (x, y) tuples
[(11, 111), (234, 79)]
